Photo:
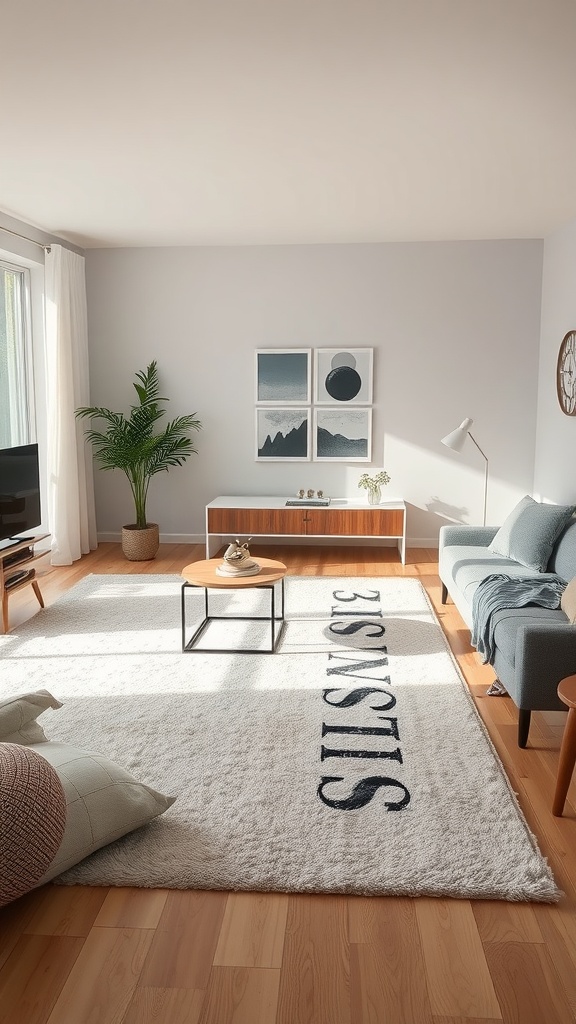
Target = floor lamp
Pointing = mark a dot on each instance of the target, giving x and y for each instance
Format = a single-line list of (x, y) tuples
[(456, 439)]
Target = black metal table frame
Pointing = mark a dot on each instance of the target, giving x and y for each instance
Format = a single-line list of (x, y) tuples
[(189, 646)]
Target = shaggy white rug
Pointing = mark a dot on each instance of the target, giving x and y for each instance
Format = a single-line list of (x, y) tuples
[(360, 767)]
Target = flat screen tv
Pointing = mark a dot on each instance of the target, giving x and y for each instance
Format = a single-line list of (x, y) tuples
[(19, 492)]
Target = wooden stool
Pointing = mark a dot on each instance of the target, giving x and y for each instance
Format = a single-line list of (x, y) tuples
[(567, 694)]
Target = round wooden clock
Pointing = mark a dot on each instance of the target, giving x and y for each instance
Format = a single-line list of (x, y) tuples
[(566, 374)]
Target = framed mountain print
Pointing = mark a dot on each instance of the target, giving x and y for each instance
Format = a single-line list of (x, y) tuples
[(283, 435), (342, 435)]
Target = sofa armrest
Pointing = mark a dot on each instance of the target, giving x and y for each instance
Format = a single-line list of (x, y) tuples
[(470, 536), (545, 654)]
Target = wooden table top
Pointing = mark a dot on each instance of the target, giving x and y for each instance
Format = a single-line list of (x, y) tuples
[(203, 574), (567, 691)]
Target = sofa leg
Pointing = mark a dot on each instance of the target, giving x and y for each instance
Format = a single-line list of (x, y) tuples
[(523, 726), (444, 593)]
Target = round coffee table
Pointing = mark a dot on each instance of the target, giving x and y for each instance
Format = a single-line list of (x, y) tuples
[(567, 694), (203, 574)]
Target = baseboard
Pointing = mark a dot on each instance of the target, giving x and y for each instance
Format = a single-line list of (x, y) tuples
[(165, 538), (200, 538)]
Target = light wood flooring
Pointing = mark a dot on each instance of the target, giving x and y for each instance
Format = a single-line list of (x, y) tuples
[(135, 956)]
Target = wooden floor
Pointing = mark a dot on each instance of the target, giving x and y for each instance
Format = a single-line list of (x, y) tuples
[(136, 956)]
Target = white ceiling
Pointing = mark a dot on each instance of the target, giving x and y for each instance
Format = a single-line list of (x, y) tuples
[(198, 122)]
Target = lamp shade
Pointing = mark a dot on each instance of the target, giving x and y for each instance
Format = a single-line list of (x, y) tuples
[(456, 438)]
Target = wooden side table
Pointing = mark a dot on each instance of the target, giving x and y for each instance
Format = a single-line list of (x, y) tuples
[(203, 574), (567, 694)]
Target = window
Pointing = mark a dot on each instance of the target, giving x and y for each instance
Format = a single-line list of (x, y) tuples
[(16, 392)]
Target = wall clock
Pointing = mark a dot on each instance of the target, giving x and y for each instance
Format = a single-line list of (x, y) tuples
[(566, 374)]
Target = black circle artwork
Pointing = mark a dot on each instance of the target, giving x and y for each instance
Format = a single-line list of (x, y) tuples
[(343, 383)]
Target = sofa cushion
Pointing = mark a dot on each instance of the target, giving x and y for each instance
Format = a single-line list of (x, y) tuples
[(466, 566), (563, 558), (529, 533), (18, 716), (32, 819)]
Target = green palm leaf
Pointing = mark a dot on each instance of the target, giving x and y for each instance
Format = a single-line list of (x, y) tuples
[(132, 443)]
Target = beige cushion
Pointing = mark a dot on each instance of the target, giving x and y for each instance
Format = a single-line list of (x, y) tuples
[(32, 819), (18, 716), (568, 601), (103, 802)]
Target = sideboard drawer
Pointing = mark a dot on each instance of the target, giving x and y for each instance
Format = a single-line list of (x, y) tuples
[(369, 522), (266, 521)]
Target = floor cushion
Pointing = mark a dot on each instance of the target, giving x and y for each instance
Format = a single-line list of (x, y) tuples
[(58, 802), (103, 802), (18, 716), (32, 819)]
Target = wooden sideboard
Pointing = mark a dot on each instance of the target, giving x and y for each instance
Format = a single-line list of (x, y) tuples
[(229, 516)]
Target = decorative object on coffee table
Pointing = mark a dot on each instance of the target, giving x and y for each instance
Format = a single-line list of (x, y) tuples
[(130, 444), (237, 561), (374, 485)]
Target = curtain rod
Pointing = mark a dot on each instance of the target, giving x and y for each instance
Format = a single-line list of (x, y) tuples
[(41, 245)]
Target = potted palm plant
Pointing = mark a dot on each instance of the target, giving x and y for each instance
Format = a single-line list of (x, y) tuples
[(134, 445)]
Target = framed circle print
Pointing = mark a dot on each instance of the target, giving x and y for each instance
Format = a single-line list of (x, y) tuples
[(343, 376)]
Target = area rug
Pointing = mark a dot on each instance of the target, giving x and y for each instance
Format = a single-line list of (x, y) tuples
[(351, 760)]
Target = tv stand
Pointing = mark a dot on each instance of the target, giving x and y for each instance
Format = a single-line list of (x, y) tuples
[(9, 542), (16, 570)]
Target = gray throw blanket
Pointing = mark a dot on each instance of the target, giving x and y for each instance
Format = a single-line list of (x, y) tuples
[(499, 591)]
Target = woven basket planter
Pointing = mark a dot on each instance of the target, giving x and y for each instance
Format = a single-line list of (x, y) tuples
[(140, 544)]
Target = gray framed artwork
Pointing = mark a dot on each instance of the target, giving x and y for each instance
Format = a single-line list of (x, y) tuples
[(283, 376), (283, 434), (342, 435), (343, 376)]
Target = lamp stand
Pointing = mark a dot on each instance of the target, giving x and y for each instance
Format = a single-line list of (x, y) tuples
[(485, 457)]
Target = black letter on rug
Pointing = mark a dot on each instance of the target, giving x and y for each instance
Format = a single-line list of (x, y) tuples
[(372, 595), (365, 730), (389, 755), (352, 697), (349, 628), (352, 668), (362, 793)]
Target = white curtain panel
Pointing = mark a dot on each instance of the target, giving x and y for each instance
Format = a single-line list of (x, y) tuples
[(72, 517)]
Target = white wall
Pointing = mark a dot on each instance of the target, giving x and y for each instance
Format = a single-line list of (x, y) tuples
[(455, 328), (555, 472)]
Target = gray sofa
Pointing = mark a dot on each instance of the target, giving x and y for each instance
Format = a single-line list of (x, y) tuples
[(535, 647)]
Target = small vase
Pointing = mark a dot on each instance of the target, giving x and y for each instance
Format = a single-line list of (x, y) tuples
[(374, 495)]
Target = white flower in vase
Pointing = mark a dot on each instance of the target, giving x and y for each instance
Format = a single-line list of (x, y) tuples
[(373, 485)]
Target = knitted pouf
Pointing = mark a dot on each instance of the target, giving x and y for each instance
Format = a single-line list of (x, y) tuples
[(32, 819)]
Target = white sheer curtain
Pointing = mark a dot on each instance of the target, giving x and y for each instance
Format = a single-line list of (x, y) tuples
[(71, 512)]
